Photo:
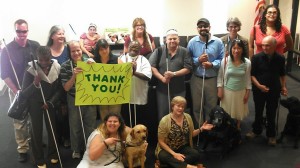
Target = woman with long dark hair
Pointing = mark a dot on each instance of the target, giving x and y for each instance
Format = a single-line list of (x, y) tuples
[(270, 24)]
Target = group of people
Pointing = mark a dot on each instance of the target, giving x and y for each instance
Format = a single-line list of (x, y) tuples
[(223, 69)]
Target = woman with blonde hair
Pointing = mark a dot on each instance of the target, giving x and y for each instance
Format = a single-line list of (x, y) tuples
[(175, 137)]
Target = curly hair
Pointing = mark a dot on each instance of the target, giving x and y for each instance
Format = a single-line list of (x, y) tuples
[(263, 24)]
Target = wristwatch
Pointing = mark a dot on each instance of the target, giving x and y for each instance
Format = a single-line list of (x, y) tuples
[(174, 73)]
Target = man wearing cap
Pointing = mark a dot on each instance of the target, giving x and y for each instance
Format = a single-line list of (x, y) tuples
[(170, 64), (207, 52)]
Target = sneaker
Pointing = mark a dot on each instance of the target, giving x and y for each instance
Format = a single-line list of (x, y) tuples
[(22, 157), (272, 141), (76, 155), (251, 135), (42, 166), (54, 161)]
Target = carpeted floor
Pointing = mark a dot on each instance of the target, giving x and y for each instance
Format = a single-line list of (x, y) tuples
[(251, 153)]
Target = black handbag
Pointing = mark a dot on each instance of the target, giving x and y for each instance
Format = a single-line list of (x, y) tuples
[(19, 107)]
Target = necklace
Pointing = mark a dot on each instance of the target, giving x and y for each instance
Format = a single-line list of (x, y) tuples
[(116, 153)]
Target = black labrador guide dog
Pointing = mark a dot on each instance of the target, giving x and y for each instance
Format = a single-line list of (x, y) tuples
[(292, 125), (224, 134)]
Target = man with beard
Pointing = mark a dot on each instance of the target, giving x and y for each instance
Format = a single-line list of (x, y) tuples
[(207, 52)]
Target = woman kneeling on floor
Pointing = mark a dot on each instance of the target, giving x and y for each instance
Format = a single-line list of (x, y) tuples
[(175, 133), (104, 146)]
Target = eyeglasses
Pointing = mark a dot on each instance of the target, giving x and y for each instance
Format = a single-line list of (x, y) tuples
[(233, 27), (272, 13), (22, 31), (141, 26), (203, 26)]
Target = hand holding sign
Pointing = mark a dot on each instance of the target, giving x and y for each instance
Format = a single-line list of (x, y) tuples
[(102, 84)]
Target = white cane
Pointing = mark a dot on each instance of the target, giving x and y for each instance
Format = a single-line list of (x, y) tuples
[(134, 106), (202, 90), (167, 62), (50, 123), (80, 113), (129, 111), (13, 68)]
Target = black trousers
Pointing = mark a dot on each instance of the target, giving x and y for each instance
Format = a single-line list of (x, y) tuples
[(270, 101), (192, 156), (38, 116)]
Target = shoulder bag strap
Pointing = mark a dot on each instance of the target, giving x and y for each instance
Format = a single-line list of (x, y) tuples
[(149, 41)]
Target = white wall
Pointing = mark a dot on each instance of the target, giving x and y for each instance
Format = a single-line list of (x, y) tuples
[(160, 15)]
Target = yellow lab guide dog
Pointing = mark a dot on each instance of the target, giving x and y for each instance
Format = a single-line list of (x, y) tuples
[(136, 146)]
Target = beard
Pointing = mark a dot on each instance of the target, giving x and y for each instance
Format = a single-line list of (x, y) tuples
[(204, 33)]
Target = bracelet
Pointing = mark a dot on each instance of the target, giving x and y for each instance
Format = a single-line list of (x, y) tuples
[(105, 144)]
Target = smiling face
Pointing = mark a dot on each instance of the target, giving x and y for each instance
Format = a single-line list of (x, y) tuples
[(139, 27), (203, 28), (178, 109), (75, 51), (172, 40), (233, 28), (22, 31), (271, 14), (59, 36), (236, 51), (112, 124)]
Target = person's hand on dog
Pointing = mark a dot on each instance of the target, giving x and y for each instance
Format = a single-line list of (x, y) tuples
[(284, 91), (179, 156), (206, 126)]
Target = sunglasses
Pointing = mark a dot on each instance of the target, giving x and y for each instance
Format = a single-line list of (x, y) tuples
[(22, 31), (203, 26)]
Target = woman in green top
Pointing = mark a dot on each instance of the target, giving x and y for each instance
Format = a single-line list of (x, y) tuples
[(234, 82)]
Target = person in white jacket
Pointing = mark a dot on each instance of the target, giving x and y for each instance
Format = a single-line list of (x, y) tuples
[(234, 82)]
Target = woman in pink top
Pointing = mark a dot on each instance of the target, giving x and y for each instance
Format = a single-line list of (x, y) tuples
[(88, 41), (270, 24)]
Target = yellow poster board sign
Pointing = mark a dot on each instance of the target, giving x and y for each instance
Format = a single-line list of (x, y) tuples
[(103, 84)]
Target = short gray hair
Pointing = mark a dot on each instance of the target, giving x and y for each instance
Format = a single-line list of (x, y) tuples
[(234, 20)]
